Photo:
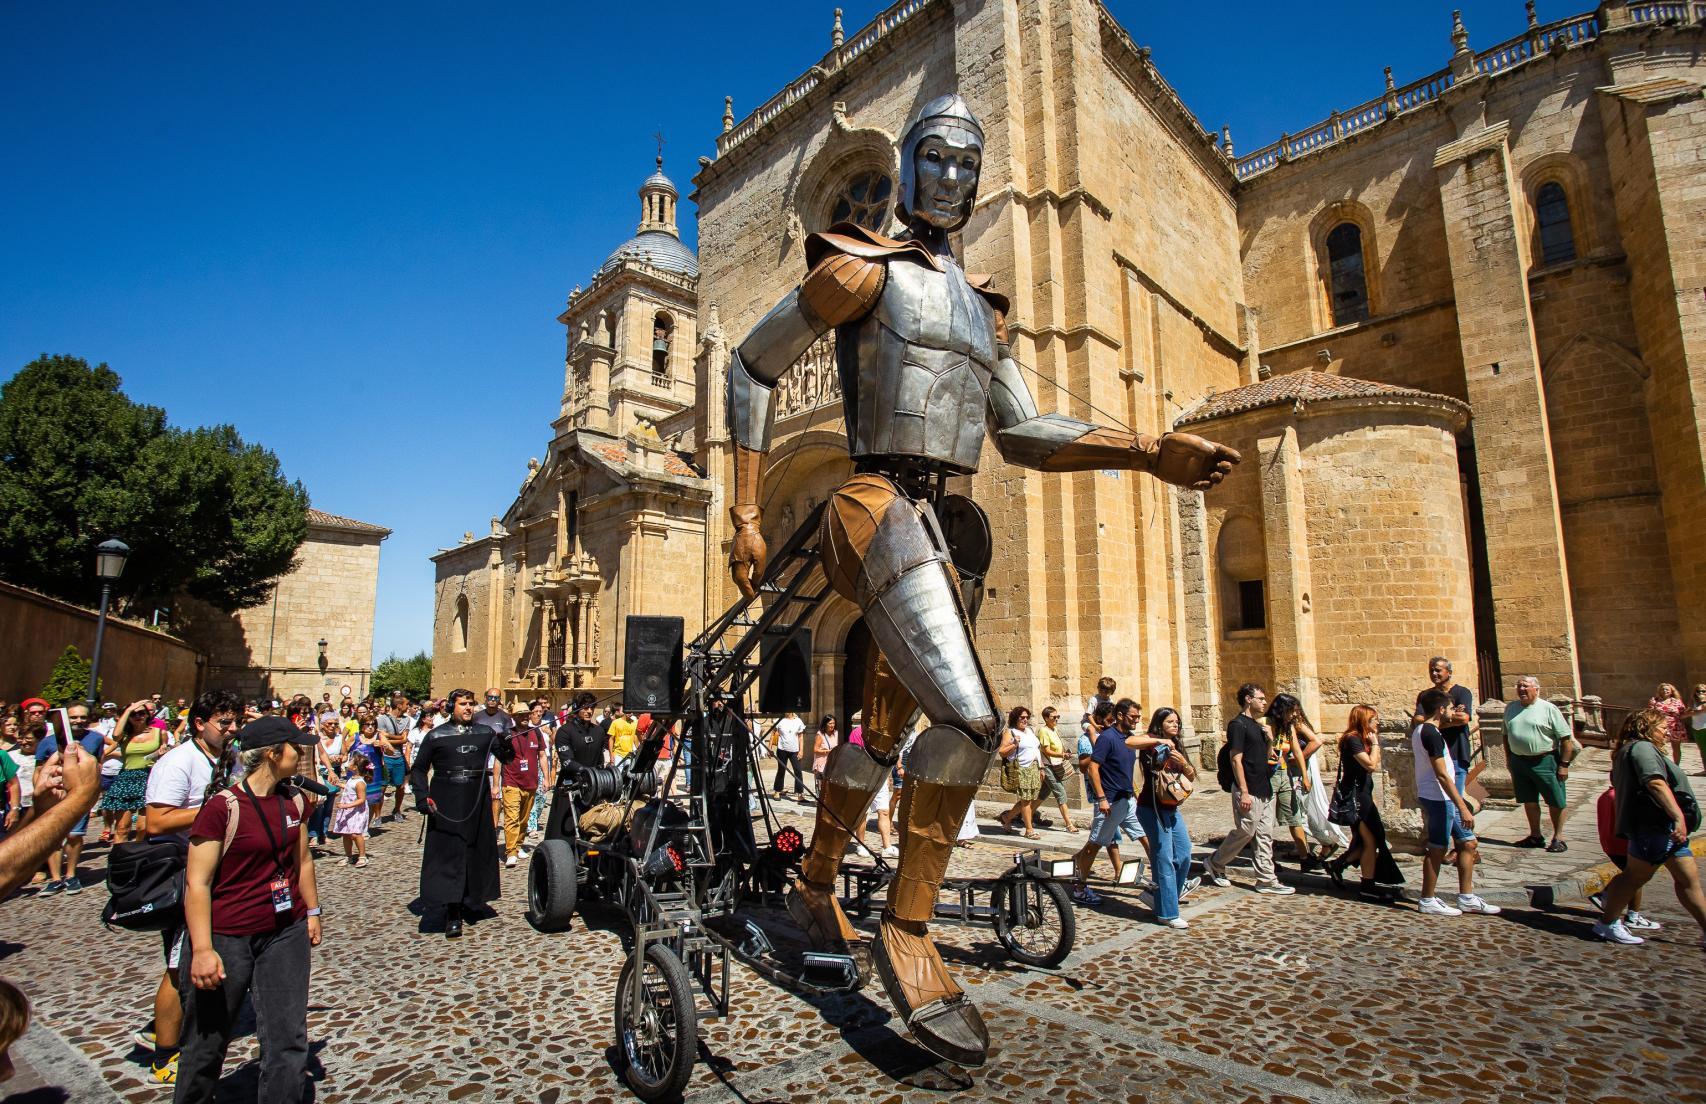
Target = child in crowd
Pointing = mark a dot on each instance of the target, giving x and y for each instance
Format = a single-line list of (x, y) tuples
[(367, 746), (350, 815), (1617, 850)]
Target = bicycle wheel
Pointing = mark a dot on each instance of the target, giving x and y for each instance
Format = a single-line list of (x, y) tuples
[(657, 1032), (1046, 928)]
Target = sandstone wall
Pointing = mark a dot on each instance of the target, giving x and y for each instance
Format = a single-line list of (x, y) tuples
[(136, 661)]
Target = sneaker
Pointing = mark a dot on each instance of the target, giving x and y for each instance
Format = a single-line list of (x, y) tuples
[(1178, 923), (1275, 889), (1615, 932), (1219, 879), (510, 862), (1634, 921), (53, 886), (891, 852), (72, 885), (523, 854), (1597, 900), (1191, 886), (143, 1039), (1469, 902), (1433, 906), (1087, 896), (164, 1073)]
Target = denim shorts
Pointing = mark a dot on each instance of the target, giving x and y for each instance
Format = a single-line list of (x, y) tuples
[(1120, 817), (1445, 827), (1655, 848)]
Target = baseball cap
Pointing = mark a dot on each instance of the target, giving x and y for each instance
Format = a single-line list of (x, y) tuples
[(270, 732)]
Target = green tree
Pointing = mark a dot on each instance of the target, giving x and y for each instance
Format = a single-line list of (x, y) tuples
[(204, 513), (69, 680), (413, 676)]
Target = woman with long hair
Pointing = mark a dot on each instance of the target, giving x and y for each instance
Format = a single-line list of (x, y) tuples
[(136, 742), (1022, 752), (822, 744), (1170, 839), (1656, 810), (1359, 762), (1667, 701), (252, 909), (1295, 744)]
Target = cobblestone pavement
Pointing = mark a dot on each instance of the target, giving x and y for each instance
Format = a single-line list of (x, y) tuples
[(1308, 998)]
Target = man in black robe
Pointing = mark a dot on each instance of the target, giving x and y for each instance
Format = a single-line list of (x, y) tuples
[(582, 743), (459, 866)]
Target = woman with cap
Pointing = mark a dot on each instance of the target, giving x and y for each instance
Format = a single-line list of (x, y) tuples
[(253, 910)]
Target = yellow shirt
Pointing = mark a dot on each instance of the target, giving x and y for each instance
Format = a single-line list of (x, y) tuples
[(1049, 738), (622, 737)]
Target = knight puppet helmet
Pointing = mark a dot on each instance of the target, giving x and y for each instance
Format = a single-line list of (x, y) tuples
[(946, 117)]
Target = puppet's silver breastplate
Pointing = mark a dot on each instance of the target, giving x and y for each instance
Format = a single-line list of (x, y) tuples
[(916, 369)]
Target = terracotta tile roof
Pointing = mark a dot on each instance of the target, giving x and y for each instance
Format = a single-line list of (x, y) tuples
[(332, 521), (1303, 388), (675, 465)]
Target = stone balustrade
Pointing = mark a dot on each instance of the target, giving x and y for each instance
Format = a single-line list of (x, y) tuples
[(1537, 41)]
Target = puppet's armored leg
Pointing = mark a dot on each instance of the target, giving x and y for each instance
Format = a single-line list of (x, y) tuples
[(886, 553), (852, 775)]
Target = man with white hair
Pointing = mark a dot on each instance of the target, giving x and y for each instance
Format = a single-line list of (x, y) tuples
[(1538, 741)]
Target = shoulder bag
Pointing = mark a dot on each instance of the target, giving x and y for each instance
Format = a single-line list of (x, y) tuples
[(1345, 808), (1171, 787)]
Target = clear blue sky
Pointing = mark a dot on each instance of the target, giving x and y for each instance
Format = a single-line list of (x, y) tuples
[(348, 228)]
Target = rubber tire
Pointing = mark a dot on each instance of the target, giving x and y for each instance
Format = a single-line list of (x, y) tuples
[(675, 979), (552, 885), (1054, 897)]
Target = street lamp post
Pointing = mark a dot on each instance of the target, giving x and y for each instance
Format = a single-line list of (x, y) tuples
[(109, 565)]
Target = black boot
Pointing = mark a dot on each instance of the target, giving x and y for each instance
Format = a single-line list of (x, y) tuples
[(1336, 871), (453, 922)]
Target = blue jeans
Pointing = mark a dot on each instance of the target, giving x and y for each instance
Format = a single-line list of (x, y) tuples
[(1166, 830)]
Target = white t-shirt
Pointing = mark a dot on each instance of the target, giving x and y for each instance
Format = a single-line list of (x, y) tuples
[(179, 779), (1427, 743), (1698, 722), (788, 731), (26, 764)]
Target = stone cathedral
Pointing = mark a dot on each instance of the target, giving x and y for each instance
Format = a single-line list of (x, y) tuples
[(1488, 277)]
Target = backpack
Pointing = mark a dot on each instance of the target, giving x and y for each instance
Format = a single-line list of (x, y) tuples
[(145, 880), (1223, 768)]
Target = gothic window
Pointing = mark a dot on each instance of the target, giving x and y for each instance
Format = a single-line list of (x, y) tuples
[(1552, 213), (865, 199), (663, 330), (1347, 280)]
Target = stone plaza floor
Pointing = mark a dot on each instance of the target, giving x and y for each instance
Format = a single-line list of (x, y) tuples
[(1314, 997)]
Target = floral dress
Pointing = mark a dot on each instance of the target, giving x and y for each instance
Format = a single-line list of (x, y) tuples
[(1673, 709)]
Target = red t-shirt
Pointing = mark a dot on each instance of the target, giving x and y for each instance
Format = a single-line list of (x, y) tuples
[(242, 886), (522, 772)]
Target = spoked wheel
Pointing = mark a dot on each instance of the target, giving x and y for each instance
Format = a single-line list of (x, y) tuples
[(1042, 929), (657, 1030), (552, 885)]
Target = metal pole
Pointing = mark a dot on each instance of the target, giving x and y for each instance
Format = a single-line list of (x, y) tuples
[(100, 636)]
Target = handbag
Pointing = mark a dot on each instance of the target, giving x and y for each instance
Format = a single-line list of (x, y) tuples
[(1009, 777), (1171, 787), (145, 883), (1345, 808)]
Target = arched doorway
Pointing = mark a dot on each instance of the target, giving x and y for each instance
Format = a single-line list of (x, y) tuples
[(857, 652)]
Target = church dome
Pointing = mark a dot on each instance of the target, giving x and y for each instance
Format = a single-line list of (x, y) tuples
[(658, 248), (657, 242)]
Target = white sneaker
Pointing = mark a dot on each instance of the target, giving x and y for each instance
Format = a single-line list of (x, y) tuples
[(1597, 900), (1219, 879), (891, 852), (1634, 921), (510, 862), (1433, 906), (1469, 902), (1615, 932), (1275, 889), (1179, 923), (1191, 886), (523, 853)]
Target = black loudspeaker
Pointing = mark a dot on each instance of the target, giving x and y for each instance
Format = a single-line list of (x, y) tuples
[(651, 665), (786, 685)]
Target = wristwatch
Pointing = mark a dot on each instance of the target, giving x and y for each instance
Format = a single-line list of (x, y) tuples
[(315, 911)]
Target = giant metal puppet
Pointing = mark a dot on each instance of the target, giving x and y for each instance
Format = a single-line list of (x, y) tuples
[(926, 373)]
